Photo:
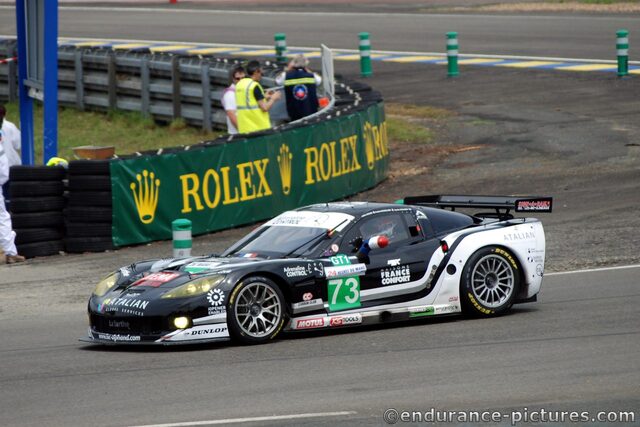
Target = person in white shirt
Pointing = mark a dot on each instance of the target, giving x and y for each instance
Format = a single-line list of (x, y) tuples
[(10, 136), (229, 99), (10, 139), (7, 235)]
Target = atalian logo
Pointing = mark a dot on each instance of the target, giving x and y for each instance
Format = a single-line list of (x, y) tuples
[(145, 194), (300, 92), (284, 164)]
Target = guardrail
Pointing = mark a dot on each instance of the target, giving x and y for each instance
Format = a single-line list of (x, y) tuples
[(162, 86)]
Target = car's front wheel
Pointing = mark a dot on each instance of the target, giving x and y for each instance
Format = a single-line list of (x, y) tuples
[(256, 311), (490, 282)]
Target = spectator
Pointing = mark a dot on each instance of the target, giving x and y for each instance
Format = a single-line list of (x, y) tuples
[(10, 136), (7, 235), (253, 104), (299, 88), (229, 99)]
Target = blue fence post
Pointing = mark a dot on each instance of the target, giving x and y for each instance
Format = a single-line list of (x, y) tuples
[(26, 103)]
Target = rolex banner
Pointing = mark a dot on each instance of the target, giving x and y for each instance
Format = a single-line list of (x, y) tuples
[(244, 181)]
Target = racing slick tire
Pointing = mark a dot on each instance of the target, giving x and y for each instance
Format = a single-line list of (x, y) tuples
[(490, 282), (89, 167), (90, 198), (36, 249), (89, 214), (88, 229), (34, 235), (47, 219), (36, 204), (256, 311), (90, 183), (35, 188), (88, 244), (36, 173)]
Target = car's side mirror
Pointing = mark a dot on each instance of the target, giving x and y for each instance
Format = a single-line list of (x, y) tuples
[(375, 242)]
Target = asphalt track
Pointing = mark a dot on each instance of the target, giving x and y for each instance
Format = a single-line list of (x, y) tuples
[(586, 36), (576, 349)]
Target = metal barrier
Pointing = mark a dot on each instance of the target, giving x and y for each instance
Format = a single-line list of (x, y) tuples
[(162, 86)]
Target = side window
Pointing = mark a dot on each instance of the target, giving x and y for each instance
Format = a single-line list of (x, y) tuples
[(446, 221), (390, 225), (413, 227)]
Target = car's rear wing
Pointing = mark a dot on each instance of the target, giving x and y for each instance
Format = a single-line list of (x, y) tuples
[(502, 204)]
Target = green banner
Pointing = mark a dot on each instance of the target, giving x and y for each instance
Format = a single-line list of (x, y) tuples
[(249, 180)]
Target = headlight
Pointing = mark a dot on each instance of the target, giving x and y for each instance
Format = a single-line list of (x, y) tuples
[(195, 288), (106, 284)]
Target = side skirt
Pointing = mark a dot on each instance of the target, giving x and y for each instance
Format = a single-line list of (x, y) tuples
[(369, 317)]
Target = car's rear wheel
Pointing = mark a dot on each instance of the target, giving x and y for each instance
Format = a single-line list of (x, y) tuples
[(490, 282), (256, 311)]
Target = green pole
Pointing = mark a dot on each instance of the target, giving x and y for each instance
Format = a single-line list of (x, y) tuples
[(452, 54), (365, 55), (181, 238), (622, 48), (281, 47)]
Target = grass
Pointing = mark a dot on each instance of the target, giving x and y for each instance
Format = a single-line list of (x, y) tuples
[(406, 122), (128, 132), (417, 111), (402, 130)]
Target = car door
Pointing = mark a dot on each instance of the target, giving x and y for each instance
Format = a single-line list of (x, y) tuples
[(394, 272)]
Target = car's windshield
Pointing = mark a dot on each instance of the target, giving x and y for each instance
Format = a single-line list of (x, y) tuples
[(295, 232), (282, 240)]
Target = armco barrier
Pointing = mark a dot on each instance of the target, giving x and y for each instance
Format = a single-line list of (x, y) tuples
[(224, 185), (163, 86)]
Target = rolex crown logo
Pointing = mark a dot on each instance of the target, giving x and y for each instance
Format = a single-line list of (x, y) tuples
[(145, 194), (369, 144), (284, 164)]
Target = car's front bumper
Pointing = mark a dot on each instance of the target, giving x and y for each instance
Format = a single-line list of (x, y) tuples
[(194, 335)]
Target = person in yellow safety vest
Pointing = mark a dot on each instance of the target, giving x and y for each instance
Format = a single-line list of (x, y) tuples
[(252, 103)]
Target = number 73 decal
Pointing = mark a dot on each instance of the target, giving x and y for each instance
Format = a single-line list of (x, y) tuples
[(343, 292)]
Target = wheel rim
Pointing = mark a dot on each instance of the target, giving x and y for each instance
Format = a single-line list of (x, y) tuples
[(258, 309), (493, 281)]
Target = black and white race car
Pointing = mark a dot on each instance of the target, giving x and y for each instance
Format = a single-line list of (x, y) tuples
[(333, 265)]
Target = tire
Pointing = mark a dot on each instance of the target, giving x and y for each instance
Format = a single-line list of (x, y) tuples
[(89, 167), (85, 229), (37, 220), (37, 173), (36, 204), (90, 198), (33, 235), (89, 183), (31, 250), (247, 328), (89, 214), (490, 282), (88, 244), (35, 188)]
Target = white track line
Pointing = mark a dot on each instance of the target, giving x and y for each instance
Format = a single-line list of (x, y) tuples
[(252, 419), (592, 270), (350, 51)]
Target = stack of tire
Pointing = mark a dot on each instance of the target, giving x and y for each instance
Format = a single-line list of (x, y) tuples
[(36, 206), (88, 216)]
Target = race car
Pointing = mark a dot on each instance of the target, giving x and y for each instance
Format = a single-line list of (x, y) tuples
[(333, 265)]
